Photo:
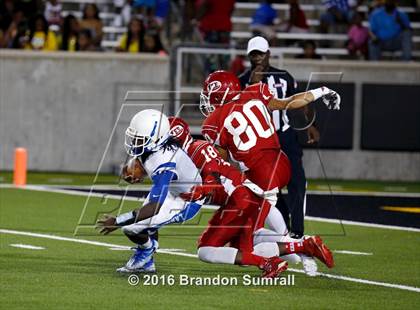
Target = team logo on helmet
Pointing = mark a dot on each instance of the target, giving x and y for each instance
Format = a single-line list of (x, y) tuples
[(177, 131), (214, 86)]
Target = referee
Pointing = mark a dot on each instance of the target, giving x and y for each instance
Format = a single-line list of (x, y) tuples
[(282, 85)]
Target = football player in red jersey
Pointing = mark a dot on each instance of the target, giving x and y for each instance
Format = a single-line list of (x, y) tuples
[(241, 123), (234, 222), (239, 216)]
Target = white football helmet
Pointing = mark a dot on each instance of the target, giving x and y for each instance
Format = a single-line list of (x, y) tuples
[(148, 129)]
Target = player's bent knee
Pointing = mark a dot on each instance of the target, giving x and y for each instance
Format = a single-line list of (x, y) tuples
[(204, 254), (133, 230)]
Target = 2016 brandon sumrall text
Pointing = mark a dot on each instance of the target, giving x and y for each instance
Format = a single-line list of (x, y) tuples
[(186, 280)]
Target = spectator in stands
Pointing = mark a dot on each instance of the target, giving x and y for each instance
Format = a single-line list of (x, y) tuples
[(16, 30), (70, 34), (153, 12), (263, 21), (390, 31), (309, 51), (338, 11), (215, 25), (358, 37), (297, 19), (162, 11), (19, 39), (145, 7), (40, 37), (92, 22), (85, 42), (52, 12), (214, 20), (152, 42), (133, 40), (7, 9)]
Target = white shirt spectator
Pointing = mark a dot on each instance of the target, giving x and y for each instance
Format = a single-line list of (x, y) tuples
[(53, 12)]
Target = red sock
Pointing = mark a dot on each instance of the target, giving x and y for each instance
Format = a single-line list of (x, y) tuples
[(250, 259), (294, 247)]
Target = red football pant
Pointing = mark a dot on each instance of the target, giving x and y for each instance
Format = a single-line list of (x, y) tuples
[(243, 214)]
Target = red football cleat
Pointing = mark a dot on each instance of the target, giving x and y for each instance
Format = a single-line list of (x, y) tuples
[(273, 266), (314, 247)]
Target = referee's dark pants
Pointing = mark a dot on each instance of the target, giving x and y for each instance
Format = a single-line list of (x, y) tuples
[(292, 206)]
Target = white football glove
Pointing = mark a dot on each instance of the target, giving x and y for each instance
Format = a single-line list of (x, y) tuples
[(329, 97), (332, 100)]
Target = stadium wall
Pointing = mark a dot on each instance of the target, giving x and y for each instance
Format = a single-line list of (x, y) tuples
[(63, 107)]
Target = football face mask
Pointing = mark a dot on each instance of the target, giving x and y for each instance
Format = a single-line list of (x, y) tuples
[(205, 107), (135, 145), (218, 88)]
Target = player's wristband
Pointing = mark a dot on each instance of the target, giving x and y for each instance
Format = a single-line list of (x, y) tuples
[(319, 92), (126, 218)]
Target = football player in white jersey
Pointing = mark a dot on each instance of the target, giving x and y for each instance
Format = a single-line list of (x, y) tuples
[(172, 172)]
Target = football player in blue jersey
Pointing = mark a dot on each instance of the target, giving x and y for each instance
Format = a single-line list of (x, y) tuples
[(147, 138)]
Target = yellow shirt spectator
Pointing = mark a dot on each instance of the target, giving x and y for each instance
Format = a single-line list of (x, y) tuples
[(134, 46), (44, 42), (71, 43)]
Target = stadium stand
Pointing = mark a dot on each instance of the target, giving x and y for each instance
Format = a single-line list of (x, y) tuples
[(335, 46)]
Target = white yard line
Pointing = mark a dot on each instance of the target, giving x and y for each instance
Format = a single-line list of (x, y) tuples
[(136, 187), (352, 252), (46, 188), (26, 246), (354, 223), (332, 276), (120, 249), (160, 250), (77, 193)]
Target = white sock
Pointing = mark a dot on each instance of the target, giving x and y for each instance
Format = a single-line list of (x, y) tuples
[(275, 221), (292, 258), (266, 249), (220, 255), (264, 235), (147, 244)]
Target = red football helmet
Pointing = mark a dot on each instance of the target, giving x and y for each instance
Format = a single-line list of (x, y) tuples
[(180, 130), (219, 87)]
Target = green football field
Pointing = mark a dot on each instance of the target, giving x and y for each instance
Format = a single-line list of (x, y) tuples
[(69, 271)]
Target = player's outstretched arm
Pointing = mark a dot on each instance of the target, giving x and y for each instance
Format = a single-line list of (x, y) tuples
[(294, 102), (300, 100), (109, 223), (157, 196)]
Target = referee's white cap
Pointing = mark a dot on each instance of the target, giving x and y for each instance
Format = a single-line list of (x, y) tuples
[(257, 44)]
